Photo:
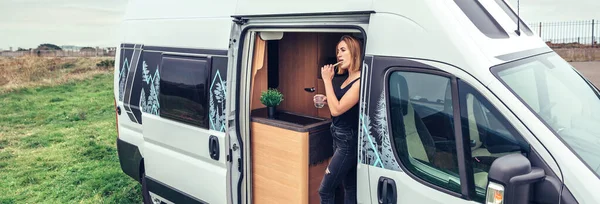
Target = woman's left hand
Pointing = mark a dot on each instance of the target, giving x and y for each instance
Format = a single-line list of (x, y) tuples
[(327, 72)]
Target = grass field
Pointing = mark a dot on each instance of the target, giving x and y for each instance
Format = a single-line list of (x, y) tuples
[(29, 71), (58, 145)]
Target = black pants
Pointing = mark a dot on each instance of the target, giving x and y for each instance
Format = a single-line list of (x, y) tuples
[(342, 167)]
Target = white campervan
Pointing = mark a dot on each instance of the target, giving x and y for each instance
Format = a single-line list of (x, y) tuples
[(459, 103)]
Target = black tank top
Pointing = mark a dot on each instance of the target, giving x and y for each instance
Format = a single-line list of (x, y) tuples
[(348, 119)]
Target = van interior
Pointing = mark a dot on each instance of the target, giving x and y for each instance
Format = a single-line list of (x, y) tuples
[(291, 150)]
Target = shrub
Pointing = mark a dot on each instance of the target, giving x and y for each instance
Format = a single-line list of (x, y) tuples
[(271, 97), (106, 63)]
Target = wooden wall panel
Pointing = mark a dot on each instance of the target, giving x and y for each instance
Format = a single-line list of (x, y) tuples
[(259, 73), (327, 43), (298, 70), (279, 165)]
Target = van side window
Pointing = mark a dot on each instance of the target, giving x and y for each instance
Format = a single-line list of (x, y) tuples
[(421, 117), (183, 89), (489, 133)]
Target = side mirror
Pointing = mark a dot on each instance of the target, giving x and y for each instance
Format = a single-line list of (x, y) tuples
[(510, 179)]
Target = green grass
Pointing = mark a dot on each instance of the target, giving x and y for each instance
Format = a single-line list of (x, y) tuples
[(58, 145)]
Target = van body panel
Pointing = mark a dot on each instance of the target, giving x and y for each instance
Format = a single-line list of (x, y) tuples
[(129, 130), (409, 190), (182, 32), (130, 133), (363, 192), (488, 46), (443, 45), (179, 9), (266, 7), (173, 147), (188, 147)]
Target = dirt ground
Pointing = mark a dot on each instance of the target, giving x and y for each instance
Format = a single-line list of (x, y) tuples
[(591, 70)]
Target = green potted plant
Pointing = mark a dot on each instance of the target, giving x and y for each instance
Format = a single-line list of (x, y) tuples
[(271, 98)]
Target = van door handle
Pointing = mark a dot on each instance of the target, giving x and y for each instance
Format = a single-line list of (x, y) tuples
[(386, 191), (213, 147)]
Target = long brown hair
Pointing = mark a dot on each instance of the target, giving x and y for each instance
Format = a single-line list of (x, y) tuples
[(355, 53)]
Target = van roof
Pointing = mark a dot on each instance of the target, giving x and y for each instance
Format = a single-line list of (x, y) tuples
[(487, 27)]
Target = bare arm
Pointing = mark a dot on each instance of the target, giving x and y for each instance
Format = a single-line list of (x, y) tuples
[(338, 107)]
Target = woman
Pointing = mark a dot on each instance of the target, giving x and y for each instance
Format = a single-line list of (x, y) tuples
[(342, 100)]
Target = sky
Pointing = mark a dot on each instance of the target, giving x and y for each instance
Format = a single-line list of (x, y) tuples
[(28, 23)]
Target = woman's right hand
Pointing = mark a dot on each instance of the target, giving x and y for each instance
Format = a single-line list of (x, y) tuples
[(327, 72)]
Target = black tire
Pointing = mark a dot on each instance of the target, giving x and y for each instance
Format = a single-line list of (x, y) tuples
[(145, 193)]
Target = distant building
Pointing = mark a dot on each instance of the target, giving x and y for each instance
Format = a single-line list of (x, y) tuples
[(71, 48)]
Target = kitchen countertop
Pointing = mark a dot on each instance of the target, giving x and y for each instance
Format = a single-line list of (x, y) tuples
[(290, 121)]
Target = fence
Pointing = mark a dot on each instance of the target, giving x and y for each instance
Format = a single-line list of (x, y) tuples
[(57, 53), (568, 34)]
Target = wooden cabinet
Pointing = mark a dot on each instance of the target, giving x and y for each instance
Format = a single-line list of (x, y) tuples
[(288, 159)]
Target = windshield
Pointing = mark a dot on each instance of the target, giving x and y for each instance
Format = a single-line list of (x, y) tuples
[(566, 102)]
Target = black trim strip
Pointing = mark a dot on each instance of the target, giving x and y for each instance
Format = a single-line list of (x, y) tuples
[(389, 62), (129, 159), (304, 14), (127, 45), (462, 146), (522, 54), (169, 193), (481, 18), (186, 50), (146, 48), (130, 81)]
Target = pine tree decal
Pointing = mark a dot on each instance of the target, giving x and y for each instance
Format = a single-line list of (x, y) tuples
[(220, 97), (153, 105), (143, 101), (212, 111), (369, 151), (122, 77), (145, 76), (216, 102), (381, 124)]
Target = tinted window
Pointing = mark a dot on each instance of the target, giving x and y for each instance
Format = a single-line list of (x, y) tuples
[(183, 89), (421, 116), (489, 133)]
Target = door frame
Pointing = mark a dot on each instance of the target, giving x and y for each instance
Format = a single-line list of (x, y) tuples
[(408, 65), (244, 55)]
